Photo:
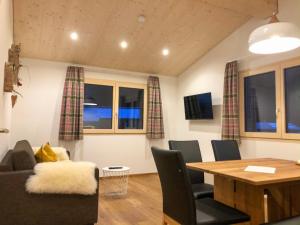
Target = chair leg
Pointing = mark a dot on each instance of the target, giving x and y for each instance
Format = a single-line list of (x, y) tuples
[(169, 221), (164, 222)]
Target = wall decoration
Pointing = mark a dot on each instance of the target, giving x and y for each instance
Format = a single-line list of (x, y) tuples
[(14, 100), (11, 72), (8, 78), (14, 60)]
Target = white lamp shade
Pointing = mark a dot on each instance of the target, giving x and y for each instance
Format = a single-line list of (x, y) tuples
[(274, 38)]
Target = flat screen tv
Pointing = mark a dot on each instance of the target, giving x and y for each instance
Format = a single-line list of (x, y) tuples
[(198, 107)]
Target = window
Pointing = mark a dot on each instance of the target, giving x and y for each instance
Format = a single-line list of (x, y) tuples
[(270, 101), (292, 95), (98, 106), (291, 99), (260, 103), (131, 102), (114, 107)]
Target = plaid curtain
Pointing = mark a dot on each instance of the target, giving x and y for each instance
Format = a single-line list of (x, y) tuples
[(155, 125), (71, 117), (230, 117)]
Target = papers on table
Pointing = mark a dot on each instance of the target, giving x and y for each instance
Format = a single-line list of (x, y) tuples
[(260, 169)]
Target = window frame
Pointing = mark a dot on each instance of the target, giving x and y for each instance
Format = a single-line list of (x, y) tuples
[(284, 65), (254, 72), (131, 131), (104, 83), (280, 100), (115, 109)]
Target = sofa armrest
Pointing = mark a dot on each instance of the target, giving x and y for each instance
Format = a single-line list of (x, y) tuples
[(18, 207), (18, 178), (13, 178)]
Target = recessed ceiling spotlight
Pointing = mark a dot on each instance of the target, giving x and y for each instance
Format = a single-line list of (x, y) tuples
[(123, 44), (142, 19), (74, 36), (165, 51)]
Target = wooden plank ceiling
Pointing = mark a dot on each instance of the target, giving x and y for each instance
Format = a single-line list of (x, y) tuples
[(189, 28)]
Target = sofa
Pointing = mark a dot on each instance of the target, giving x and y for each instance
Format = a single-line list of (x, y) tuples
[(18, 207)]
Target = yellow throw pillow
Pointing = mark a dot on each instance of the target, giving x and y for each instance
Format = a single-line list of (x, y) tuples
[(45, 154)]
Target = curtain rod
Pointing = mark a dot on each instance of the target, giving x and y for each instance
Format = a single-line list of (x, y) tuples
[(111, 71)]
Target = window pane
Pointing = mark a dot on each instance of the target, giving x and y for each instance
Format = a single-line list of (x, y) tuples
[(131, 108), (98, 102), (292, 99), (260, 103)]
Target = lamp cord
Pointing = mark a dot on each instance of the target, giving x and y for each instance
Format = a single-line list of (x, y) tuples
[(277, 8), (274, 18)]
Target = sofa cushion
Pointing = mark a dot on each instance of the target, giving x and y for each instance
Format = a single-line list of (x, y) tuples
[(45, 154), (23, 156), (61, 153), (7, 162), (5, 168)]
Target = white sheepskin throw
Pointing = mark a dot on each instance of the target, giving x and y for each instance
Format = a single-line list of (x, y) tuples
[(61, 153), (65, 177)]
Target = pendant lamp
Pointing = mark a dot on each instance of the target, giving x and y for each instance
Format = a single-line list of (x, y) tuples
[(274, 37)]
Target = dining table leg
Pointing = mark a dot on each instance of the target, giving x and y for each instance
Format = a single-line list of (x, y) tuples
[(283, 201), (278, 202), (295, 199), (242, 196)]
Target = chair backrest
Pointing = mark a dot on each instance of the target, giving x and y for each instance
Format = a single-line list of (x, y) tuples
[(191, 153), (178, 200), (226, 150)]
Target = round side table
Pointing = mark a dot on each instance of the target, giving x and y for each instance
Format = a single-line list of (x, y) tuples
[(115, 180)]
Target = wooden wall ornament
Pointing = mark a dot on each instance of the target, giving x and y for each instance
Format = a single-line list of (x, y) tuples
[(8, 78), (11, 69), (14, 100), (11, 72), (14, 60)]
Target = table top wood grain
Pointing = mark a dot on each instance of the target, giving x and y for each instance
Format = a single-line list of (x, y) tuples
[(286, 170)]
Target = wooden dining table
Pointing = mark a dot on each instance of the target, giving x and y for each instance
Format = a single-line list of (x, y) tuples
[(265, 197)]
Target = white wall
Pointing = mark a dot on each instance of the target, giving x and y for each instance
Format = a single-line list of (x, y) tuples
[(36, 116), (6, 39), (207, 75)]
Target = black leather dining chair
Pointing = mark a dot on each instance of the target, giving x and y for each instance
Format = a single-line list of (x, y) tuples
[(191, 153), (179, 205), (226, 150), (290, 221)]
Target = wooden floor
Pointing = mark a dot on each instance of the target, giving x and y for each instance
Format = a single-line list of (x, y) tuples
[(141, 206)]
